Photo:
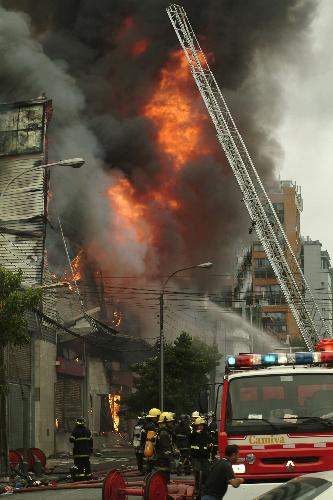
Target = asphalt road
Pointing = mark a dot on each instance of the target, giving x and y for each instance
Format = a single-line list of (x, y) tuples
[(122, 458), (248, 492)]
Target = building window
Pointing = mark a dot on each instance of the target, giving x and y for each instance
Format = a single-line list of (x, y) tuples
[(22, 130), (257, 247), (261, 262), (275, 322), (263, 268), (279, 209), (271, 294)]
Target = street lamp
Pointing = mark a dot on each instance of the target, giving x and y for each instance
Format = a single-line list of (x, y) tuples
[(71, 162), (204, 265)]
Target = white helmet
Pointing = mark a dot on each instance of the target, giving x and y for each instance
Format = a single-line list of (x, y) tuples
[(195, 414)]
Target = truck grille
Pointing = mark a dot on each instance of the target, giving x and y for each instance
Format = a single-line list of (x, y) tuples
[(296, 460)]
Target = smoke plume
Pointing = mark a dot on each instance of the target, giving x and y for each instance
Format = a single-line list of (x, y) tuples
[(140, 205)]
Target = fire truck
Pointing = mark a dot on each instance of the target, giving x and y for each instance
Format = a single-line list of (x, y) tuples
[(278, 408)]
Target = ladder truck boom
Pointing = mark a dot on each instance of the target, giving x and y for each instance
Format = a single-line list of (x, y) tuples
[(283, 261)]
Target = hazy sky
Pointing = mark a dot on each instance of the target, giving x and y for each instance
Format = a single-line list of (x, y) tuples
[(307, 130)]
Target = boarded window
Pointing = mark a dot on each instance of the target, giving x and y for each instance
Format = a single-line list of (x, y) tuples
[(22, 130)]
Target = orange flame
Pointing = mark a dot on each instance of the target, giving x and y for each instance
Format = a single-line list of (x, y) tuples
[(114, 404), (117, 317), (179, 123), (171, 109), (76, 264), (129, 212)]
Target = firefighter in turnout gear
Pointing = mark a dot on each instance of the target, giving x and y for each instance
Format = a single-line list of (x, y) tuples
[(164, 447), (194, 416), (213, 432), (182, 436), (200, 452), (148, 438), (83, 446), (137, 441)]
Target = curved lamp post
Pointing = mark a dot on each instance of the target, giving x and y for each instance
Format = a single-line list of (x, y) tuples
[(72, 162)]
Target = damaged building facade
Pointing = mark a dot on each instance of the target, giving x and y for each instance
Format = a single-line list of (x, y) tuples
[(75, 364), (23, 203)]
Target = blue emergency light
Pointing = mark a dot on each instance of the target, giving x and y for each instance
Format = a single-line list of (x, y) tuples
[(279, 359)]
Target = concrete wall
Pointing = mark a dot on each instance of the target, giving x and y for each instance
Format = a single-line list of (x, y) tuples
[(318, 279), (97, 384), (44, 389)]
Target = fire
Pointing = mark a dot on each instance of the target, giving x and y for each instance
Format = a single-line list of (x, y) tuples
[(129, 213), (117, 317), (76, 264), (171, 109), (114, 405), (139, 47), (179, 125)]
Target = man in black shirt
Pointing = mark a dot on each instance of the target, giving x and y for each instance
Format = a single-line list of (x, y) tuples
[(221, 475)]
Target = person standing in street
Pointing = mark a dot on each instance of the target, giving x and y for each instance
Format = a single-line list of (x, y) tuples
[(137, 441), (164, 445), (148, 438), (200, 452), (221, 475), (182, 434), (82, 440), (213, 432)]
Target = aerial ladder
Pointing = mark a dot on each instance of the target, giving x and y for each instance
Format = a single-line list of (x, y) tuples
[(263, 216)]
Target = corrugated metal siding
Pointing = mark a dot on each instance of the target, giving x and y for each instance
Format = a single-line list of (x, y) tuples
[(23, 203), (68, 401), (19, 363), (15, 415)]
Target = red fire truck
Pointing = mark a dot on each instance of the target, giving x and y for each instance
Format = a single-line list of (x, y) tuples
[(278, 408)]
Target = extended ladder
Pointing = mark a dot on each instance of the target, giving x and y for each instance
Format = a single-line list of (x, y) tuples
[(284, 263)]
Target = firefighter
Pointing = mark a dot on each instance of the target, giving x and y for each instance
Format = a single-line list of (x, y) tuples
[(213, 432), (148, 438), (194, 416), (200, 452), (182, 435), (83, 446), (137, 441), (164, 448)]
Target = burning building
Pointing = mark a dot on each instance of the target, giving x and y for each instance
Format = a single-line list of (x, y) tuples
[(156, 192)]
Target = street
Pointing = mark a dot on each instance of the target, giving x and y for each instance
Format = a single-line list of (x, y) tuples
[(247, 492), (123, 458)]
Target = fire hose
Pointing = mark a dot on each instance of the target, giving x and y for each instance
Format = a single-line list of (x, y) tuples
[(61, 486)]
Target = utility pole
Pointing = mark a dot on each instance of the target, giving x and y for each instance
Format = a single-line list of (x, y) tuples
[(212, 374), (204, 265), (161, 353)]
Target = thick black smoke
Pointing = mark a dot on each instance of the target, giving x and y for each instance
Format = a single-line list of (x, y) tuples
[(79, 53)]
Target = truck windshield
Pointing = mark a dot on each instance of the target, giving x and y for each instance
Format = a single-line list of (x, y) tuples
[(273, 403)]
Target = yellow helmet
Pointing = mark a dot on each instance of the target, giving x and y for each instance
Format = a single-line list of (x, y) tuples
[(170, 417), (154, 412), (195, 415), (164, 417), (199, 421)]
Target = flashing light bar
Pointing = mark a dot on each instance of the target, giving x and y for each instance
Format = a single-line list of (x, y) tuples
[(278, 359)]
